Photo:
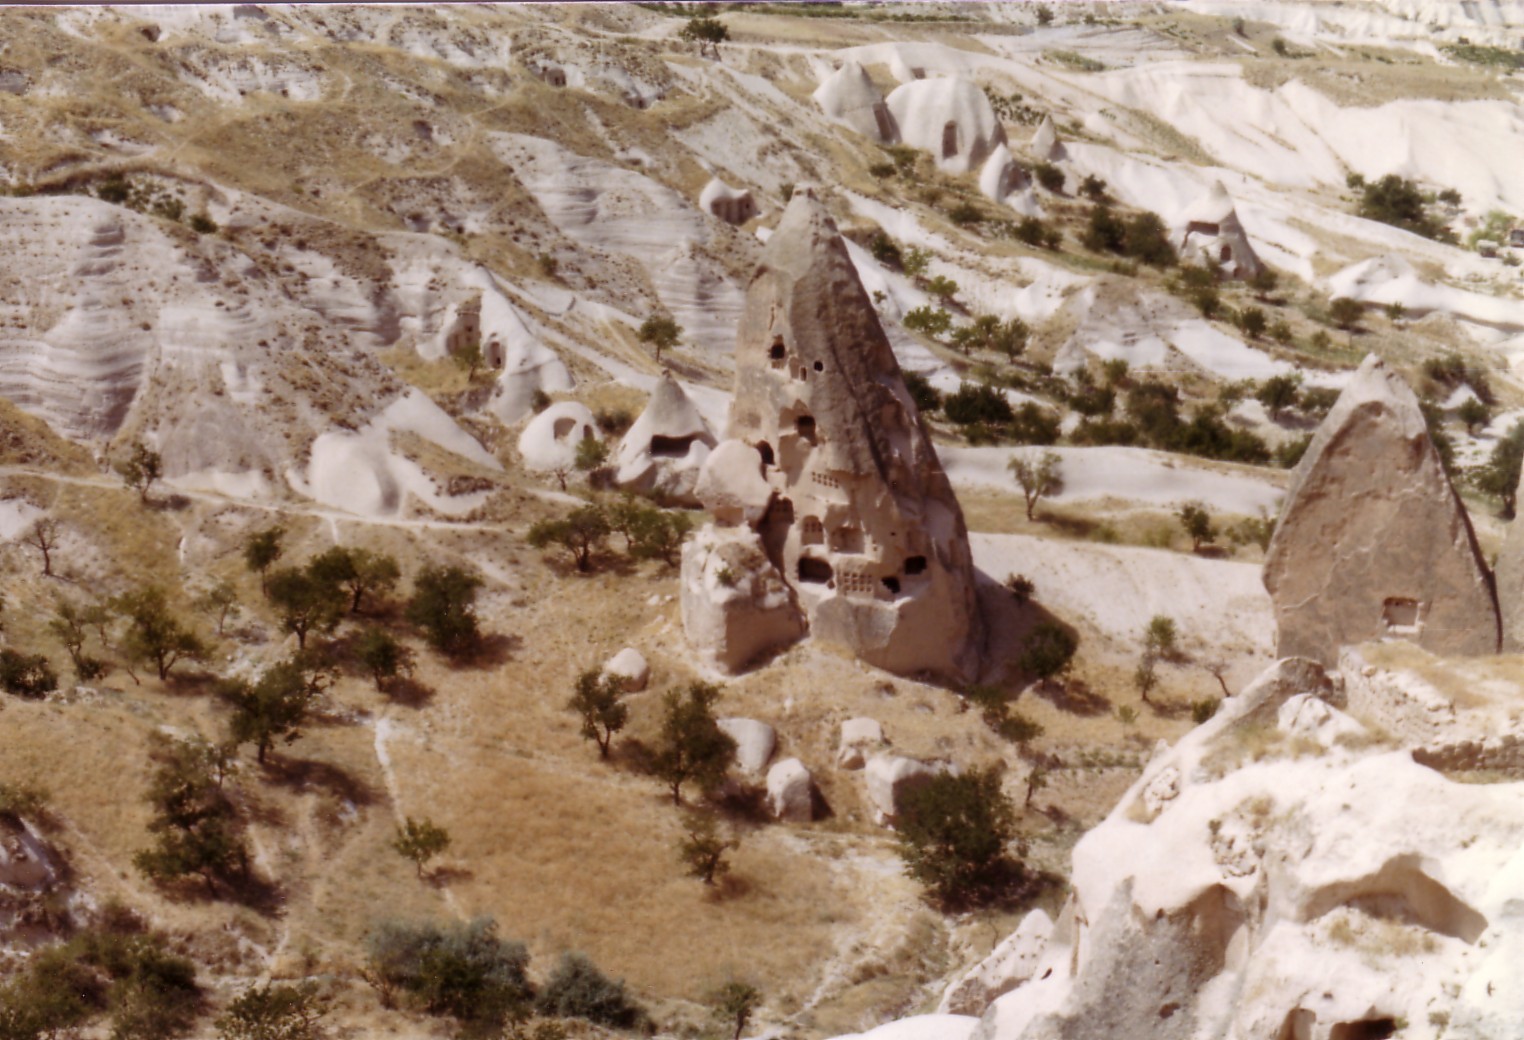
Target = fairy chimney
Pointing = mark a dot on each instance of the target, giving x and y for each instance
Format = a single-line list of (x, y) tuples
[(862, 523), (1373, 542)]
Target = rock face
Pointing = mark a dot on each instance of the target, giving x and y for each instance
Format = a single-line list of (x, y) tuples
[(732, 205), (755, 742), (1045, 145), (948, 117), (889, 778), (736, 606), (859, 739), (1275, 893), (1510, 588), (1009, 965), (862, 521), (791, 791), (666, 447), (847, 96), (1214, 237), (630, 668), (549, 442), (731, 484), (1373, 542)]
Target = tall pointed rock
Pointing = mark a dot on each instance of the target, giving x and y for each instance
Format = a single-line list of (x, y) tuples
[(1373, 541), (863, 522)]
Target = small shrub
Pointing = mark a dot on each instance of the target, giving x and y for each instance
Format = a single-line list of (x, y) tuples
[(1093, 188), (577, 989), (1203, 710), (927, 398), (885, 251), (1048, 652), (275, 1011), (1050, 177), (460, 970), (26, 675), (202, 224)]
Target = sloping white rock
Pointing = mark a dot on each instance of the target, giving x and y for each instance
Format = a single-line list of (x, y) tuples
[(847, 96), (1010, 964), (529, 365), (630, 668), (949, 117), (755, 742), (550, 440), (666, 447), (860, 738), (1000, 175), (791, 791)]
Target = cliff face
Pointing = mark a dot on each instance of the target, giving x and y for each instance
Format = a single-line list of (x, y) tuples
[(863, 521)]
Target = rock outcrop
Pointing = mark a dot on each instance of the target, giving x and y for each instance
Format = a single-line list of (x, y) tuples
[(630, 668), (791, 791), (890, 778), (732, 205), (860, 738), (736, 607), (1009, 965), (1510, 589), (1213, 236), (755, 742), (847, 96), (950, 118), (1373, 541), (663, 452), (1045, 145), (1244, 888), (861, 521), (550, 440)]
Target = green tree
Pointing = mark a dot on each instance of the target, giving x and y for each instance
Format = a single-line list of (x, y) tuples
[(469, 357), (1048, 652), (275, 1011), (1197, 523), (221, 600), (1279, 393), (916, 261), (1039, 479), (691, 745), (581, 532), (306, 602), (702, 849), (952, 832), (420, 841), (140, 469), (1499, 475), (1160, 638), (383, 656), (153, 633), (196, 828), (931, 321), (943, 288), (361, 572), (658, 535), (592, 454), (706, 31), (273, 707), (26, 675), (598, 702), (1253, 322), (1093, 188), (444, 608), (661, 332), (262, 550), (734, 1003), (43, 536), (577, 989), (459, 969), (1345, 312), (1145, 677), (1474, 414)]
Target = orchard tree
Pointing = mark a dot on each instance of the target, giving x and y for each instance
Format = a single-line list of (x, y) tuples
[(306, 602), (221, 600), (1040, 479), (140, 469), (661, 332), (734, 1004), (444, 608), (952, 833), (702, 849), (359, 571), (1197, 523), (580, 533), (274, 707), (262, 550), (706, 31), (383, 656), (691, 745), (420, 841), (1048, 652), (153, 633), (43, 536), (598, 701)]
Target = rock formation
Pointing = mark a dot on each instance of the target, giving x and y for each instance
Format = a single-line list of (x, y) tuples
[(1373, 541), (1009, 965), (732, 205), (1214, 237), (860, 738), (550, 440), (791, 791), (948, 117), (847, 96), (755, 742), (736, 607), (664, 450), (527, 364), (1045, 145), (889, 778), (862, 521)]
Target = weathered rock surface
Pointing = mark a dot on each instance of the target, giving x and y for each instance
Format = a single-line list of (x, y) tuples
[(736, 607), (731, 485), (1510, 588), (791, 791), (862, 522), (860, 738), (549, 442), (755, 742), (629, 666), (889, 778), (1373, 541), (1010, 964), (664, 450), (949, 117), (847, 96), (1268, 892)]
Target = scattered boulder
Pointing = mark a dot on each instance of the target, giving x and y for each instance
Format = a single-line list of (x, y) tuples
[(666, 447), (791, 791), (862, 521), (1009, 965), (950, 118), (860, 738), (889, 778), (732, 205), (731, 485), (1214, 237), (1373, 541), (736, 606), (755, 742), (550, 440), (630, 668), (847, 96)]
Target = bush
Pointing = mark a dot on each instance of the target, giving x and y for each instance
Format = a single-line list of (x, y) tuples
[(274, 1011), (927, 398), (1146, 239), (444, 607), (884, 249), (952, 833), (977, 403), (1398, 201), (577, 989), (26, 675), (1050, 177), (1104, 231), (1345, 312), (931, 321), (1048, 652), (965, 213), (1032, 231), (1093, 188), (1252, 321), (460, 970)]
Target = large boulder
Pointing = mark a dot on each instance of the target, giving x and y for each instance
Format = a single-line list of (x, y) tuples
[(890, 778), (736, 606), (665, 449), (1009, 965), (862, 520), (630, 668), (1373, 541), (755, 742), (860, 738), (731, 485), (791, 791), (847, 96)]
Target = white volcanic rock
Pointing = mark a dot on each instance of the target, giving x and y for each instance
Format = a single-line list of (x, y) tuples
[(860, 738), (731, 485), (550, 440), (736, 606), (1045, 145), (791, 791), (630, 668), (755, 742), (847, 96), (1214, 237), (1000, 175), (889, 778), (1277, 893), (665, 449), (732, 205), (1373, 541), (949, 117), (1010, 964), (528, 364)]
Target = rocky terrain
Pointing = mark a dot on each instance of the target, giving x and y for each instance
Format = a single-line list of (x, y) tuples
[(1112, 404)]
